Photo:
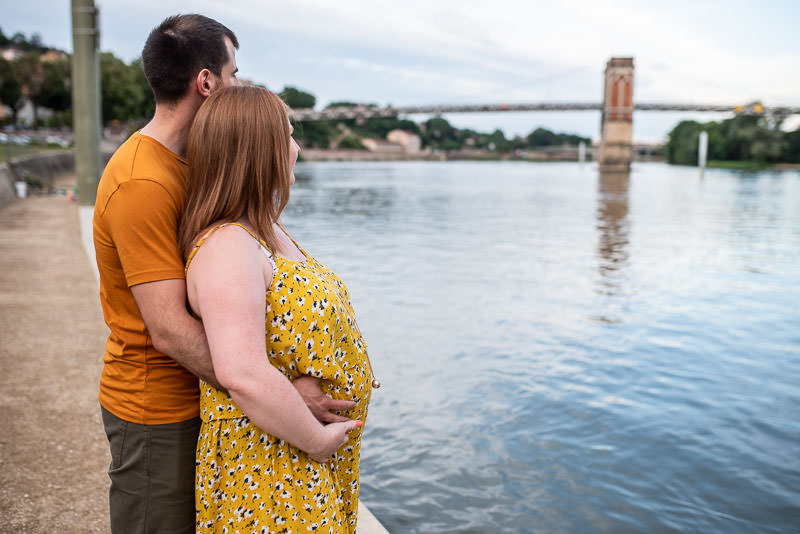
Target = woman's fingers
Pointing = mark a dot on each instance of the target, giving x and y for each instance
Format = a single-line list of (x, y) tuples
[(337, 433)]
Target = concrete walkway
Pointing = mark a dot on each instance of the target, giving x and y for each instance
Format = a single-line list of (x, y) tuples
[(53, 451)]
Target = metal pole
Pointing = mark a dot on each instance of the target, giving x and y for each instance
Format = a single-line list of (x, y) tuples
[(86, 98), (582, 152)]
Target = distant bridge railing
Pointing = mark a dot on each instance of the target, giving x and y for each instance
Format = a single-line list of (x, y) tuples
[(368, 112)]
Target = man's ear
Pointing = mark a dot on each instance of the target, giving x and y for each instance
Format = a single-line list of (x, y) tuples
[(204, 82)]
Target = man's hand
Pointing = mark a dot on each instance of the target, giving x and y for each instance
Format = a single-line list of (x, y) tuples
[(319, 403)]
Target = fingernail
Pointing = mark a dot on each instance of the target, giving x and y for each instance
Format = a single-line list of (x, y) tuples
[(359, 424)]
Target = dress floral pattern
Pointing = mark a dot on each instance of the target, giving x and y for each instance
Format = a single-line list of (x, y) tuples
[(250, 481)]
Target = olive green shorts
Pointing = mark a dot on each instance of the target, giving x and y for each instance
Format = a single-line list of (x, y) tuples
[(152, 476)]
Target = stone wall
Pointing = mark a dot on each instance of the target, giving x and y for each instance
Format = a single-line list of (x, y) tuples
[(7, 180), (39, 170)]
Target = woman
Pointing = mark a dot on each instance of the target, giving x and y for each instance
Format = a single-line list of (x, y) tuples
[(264, 463)]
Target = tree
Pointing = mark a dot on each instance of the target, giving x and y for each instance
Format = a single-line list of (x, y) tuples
[(314, 134), (148, 104), (498, 141), (541, 137), (681, 148), (348, 104), (742, 138), (791, 148), (123, 97), (297, 99), (55, 91), (34, 45), (440, 134), (31, 75), (379, 127), (351, 142), (752, 138), (10, 88)]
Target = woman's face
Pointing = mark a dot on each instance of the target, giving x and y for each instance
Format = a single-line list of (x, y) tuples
[(294, 150)]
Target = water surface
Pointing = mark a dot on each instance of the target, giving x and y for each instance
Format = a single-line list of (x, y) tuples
[(565, 351)]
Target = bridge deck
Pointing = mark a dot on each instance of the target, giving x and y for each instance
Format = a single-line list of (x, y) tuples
[(369, 112)]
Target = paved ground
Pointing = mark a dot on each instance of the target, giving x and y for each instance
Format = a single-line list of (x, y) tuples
[(53, 452)]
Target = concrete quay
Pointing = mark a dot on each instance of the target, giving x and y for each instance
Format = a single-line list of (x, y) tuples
[(53, 450)]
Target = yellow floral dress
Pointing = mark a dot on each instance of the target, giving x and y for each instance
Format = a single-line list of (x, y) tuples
[(249, 481)]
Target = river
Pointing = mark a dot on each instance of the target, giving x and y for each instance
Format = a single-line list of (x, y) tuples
[(565, 351)]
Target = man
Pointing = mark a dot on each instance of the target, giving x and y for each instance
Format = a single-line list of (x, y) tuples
[(156, 349)]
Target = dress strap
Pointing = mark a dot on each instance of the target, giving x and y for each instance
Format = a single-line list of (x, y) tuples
[(261, 242)]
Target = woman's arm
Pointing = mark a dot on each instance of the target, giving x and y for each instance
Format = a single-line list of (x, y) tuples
[(226, 284)]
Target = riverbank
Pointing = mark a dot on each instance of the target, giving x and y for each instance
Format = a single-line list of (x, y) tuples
[(752, 166), (544, 155)]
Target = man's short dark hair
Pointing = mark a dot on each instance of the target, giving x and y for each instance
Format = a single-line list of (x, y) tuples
[(179, 48)]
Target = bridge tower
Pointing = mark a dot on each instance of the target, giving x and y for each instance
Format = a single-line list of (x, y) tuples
[(616, 129)]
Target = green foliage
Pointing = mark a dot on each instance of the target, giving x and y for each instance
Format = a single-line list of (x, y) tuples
[(791, 150), (542, 137), (124, 94), (30, 71), (439, 134), (297, 99), (347, 104), (681, 147), (55, 91), (314, 134), (381, 126), (10, 87), (498, 142), (147, 106), (19, 41), (750, 138), (352, 143)]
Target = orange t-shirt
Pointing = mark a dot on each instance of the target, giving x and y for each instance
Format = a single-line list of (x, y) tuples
[(136, 215)]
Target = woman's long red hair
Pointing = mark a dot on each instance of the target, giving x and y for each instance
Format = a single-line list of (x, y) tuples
[(239, 166)]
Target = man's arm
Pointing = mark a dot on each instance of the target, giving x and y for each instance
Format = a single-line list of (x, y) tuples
[(182, 337), (173, 330)]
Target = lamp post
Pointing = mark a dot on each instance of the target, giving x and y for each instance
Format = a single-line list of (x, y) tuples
[(86, 98)]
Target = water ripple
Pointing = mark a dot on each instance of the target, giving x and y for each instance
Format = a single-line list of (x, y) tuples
[(566, 351)]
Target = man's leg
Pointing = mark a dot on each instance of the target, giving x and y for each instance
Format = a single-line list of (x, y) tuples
[(152, 476)]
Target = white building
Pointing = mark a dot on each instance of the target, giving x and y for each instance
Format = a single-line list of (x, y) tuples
[(410, 141)]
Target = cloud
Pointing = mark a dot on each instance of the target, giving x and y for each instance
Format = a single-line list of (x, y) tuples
[(467, 51)]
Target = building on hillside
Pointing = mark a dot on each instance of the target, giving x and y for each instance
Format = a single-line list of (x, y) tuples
[(410, 141), (54, 55), (11, 53), (382, 146)]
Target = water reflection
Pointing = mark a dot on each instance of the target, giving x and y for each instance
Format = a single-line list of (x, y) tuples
[(612, 226), (341, 199)]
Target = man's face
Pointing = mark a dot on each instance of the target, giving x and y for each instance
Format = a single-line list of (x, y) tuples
[(229, 69)]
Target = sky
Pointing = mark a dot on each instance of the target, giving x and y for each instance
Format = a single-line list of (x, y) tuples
[(416, 52)]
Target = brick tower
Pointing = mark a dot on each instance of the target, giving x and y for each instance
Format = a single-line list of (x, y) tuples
[(616, 130)]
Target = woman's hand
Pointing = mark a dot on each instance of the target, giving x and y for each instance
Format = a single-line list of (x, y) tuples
[(333, 437)]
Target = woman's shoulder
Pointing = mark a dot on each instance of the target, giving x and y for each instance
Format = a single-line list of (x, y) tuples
[(223, 242)]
